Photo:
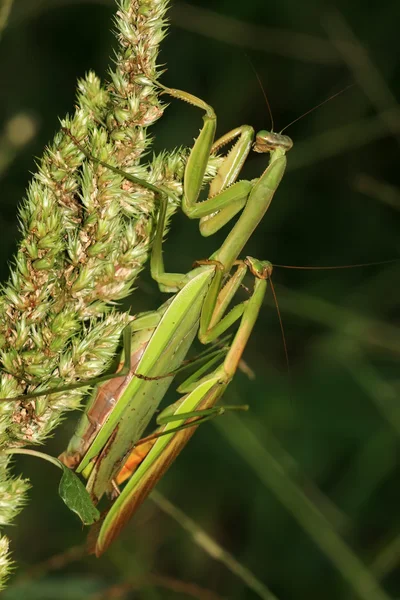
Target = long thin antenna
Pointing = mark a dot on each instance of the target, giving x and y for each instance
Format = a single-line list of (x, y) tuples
[(319, 105), (280, 325), (263, 91), (331, 268)]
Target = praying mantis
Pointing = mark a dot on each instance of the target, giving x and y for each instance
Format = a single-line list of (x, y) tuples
[(207, 299), (157, 343)]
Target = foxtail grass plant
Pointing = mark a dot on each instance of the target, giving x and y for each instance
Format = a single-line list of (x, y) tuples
[(85, 236)]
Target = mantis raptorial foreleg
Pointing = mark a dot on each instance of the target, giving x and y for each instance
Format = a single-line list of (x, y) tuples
[(226, 195)]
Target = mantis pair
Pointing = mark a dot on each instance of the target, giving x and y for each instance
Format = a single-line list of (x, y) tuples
[(156, 343)]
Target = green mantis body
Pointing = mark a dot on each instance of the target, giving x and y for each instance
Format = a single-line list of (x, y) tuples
[(198, 307)]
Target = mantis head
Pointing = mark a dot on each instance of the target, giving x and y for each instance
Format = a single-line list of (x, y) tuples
[(267, 141), (262, 269)]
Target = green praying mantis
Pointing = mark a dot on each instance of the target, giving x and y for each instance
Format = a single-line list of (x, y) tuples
[(156, 343), (200, 305), (108, 437)]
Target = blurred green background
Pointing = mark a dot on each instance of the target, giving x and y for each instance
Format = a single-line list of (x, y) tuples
[(325, 438)]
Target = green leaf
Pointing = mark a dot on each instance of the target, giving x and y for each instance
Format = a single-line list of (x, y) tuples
[(76, 497)]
